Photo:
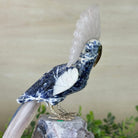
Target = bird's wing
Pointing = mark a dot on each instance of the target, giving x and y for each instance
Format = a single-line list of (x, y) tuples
[(42, 83), (39, 86), (66, 81), (46, 82)]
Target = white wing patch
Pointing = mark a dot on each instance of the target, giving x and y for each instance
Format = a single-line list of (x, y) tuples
[(66, 81)]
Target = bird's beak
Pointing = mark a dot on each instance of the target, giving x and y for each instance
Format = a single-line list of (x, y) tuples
[(99, 56)]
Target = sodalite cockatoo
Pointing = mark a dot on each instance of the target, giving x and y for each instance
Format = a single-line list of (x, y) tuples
[(63, 80)]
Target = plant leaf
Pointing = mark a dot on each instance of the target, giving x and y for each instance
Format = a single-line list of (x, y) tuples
[(137, 108), (136, 119)]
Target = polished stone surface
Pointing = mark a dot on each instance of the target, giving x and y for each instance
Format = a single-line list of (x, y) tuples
[(49, 128)]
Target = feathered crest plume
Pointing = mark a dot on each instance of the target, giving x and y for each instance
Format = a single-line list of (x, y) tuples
[(87, 27)]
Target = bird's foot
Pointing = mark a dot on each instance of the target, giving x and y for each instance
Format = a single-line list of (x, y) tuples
[(62, 117), (73, 114), (63, 112)]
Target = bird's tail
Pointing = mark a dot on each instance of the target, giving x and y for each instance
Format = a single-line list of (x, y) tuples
[(21, 119)]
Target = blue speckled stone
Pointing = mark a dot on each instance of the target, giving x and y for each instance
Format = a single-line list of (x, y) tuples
[(42, 90)]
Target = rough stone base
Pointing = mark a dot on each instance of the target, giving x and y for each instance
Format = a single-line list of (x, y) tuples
[(49, 128)]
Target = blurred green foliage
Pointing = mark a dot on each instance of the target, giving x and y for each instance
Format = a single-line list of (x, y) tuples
[(106, 128)]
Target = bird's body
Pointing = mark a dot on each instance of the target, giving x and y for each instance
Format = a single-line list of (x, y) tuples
[(55, 85), (70, 80)]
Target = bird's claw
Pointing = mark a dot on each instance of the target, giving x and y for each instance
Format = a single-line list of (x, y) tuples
[(73, 114), (61, 117), (62, 114)]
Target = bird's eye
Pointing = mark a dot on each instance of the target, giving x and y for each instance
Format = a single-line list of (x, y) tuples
[(87, 50)]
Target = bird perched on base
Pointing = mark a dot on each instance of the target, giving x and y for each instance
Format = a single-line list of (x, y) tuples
[(55, 85)]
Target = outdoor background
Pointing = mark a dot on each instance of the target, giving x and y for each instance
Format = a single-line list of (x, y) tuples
[(36, 35)]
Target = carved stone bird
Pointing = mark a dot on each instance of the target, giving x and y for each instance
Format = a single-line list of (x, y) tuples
[(65, 79)]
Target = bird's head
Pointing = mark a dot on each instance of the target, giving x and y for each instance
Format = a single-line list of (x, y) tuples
[(92, 50)]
